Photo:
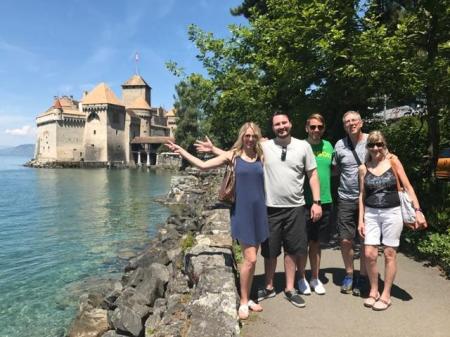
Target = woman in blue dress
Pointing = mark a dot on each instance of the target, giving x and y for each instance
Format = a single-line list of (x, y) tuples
[(248, 215)]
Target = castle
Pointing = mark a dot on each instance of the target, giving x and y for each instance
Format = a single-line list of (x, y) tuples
[(102, 130)]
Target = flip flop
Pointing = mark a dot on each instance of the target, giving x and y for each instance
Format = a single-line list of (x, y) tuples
[(381, 305), (254, 306), (243, 311), (371, 300)]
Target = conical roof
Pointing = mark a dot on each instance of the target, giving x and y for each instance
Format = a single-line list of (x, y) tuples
[(171, 113), (135, 80), (101, 94), (140, 104), (57, 104)]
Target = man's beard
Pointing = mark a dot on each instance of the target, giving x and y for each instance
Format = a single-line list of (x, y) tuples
[(288, 133)]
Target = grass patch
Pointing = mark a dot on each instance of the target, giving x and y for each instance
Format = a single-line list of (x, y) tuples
[(237, 252), (187, 242)]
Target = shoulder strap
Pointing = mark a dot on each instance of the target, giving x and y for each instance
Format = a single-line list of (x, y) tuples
[(394, 169), (350, 145)]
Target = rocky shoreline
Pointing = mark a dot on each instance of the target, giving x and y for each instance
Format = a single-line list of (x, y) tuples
[(182, 284)]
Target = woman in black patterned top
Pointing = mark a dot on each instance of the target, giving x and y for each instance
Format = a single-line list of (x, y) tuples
[(380, 215)]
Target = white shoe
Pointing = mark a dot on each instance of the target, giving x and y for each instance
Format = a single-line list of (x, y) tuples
[(303, 287), (317, 286)]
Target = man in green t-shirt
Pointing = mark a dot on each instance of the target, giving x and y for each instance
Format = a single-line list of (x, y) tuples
[(318, 231)]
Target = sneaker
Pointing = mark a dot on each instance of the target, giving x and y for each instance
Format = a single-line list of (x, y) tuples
[(360, 286), (317, 286), (265, 293), (303, 287), (294, 298), (347, 284)]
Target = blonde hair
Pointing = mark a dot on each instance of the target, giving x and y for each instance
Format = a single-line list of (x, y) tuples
[(376, 137), (317, 116), (239, 144)]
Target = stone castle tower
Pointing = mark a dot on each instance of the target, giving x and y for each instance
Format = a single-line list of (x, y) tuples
[(102, 129)]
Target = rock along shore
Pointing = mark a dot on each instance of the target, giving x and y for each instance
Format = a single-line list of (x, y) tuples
[(182, 284)]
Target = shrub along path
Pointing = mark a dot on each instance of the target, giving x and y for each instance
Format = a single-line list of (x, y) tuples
[(420, 305)]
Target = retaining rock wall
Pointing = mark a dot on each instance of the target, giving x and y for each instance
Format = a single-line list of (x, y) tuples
[(182, 284)]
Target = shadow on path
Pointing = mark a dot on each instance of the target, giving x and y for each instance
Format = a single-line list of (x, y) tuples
[(336, 275)]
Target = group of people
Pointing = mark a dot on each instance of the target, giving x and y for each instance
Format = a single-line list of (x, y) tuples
[(274, 208)]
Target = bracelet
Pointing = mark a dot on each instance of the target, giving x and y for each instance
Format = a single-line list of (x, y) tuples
[(418, 210)]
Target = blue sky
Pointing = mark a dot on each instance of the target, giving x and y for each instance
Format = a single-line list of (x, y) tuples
[(51, 47)]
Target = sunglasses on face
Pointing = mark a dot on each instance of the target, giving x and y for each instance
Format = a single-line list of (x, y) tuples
[(314, 127), (283, 153), (372, 145)]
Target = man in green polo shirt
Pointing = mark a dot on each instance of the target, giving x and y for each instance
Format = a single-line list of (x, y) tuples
[(318, 231)]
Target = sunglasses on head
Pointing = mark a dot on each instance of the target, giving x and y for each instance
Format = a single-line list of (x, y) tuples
[(283, 153), (314, 127), (372, 145)]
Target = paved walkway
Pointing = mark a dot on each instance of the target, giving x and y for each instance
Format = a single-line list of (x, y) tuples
[(420, 305)]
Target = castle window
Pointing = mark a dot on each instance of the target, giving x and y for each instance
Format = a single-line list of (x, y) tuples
[(92, 145), (95, 132)]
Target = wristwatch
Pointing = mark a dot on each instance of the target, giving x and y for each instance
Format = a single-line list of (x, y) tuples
[(317, 202)]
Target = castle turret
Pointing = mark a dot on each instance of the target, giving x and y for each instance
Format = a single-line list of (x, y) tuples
[(104, 136), (136, 88)]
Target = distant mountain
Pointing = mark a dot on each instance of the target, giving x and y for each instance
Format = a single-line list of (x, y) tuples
[(25, 150)]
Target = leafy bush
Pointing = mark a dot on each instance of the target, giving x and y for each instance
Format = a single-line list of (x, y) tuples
[(436, 246), (407, 139)]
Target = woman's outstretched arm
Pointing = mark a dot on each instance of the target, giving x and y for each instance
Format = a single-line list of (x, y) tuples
[(220, 160), (208, 147)]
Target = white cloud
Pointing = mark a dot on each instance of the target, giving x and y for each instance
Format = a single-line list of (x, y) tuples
[(25, 130)]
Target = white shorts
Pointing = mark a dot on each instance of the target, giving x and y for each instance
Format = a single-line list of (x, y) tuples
[(384, 223)]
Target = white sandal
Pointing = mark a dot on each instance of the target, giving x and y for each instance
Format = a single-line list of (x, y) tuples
[(254, 306), (243, 311)]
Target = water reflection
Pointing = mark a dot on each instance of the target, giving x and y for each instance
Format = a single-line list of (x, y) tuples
[(60, 226)]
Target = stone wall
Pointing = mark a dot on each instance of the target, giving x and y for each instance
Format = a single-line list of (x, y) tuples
[(46, 142), (182, 284), (69, 137)]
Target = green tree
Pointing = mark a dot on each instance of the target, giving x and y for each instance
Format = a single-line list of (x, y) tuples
[(410, 46), (193, 98)]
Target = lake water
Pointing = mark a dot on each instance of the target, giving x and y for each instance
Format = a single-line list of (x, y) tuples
[(61, 226)]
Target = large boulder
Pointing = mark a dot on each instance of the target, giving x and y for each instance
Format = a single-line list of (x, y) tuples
[(203, 256), (130, 320), (153, 254), (153, 283), (91, 321), (213, 306)]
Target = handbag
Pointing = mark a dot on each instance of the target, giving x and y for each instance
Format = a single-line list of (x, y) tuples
[(227, 188), (406, 205)]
